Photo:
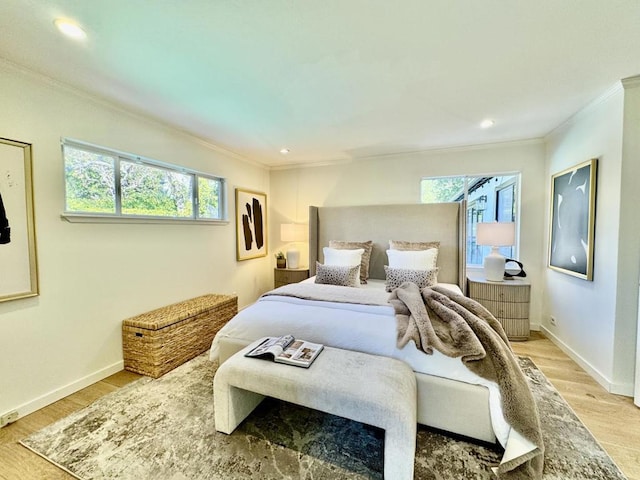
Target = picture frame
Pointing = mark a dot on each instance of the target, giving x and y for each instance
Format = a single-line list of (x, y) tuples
[(251, 224), (572, 229), (18, 261)]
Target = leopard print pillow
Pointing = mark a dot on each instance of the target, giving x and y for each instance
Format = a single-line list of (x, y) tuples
[(422, 278), (338, 275)]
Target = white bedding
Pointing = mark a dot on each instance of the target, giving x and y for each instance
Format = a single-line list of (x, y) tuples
[(364, 328)]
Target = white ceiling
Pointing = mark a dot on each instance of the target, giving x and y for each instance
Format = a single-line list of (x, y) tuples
[(335, 79)]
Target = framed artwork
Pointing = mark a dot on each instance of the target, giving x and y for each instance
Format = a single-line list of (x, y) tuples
[(18, 265), (573, 202), (251, 224)]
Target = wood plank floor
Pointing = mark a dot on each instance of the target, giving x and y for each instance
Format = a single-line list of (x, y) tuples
[(612, 419)]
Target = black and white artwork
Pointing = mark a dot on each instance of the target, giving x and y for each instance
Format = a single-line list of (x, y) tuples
[(5, 229), (572, 220), (251, 224), (18, 268)]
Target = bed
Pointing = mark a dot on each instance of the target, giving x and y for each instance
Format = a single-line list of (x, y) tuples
[(450, 397)]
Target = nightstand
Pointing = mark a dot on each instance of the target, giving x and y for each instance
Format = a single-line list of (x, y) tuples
[(285, 276), (508, 301)]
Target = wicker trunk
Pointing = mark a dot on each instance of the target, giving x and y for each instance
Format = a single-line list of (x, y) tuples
[(158, 341)]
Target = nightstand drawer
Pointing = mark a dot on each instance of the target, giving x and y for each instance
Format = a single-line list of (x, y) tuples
[(517, 329), (285, 276), (497, 292), (506, 309)]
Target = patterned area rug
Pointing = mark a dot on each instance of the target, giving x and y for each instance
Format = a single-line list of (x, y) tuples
[(164, 429)]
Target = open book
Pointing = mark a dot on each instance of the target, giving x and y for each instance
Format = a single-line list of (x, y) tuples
[(287, 349)]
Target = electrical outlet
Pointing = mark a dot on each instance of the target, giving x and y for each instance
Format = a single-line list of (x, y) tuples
[(8, 418), (553, 321)]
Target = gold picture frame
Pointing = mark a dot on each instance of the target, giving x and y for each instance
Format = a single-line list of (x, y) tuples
[(18, 261), (251, 224), (572, 229)]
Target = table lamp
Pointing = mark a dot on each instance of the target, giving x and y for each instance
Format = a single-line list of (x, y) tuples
[(293, 232), (495, 235)]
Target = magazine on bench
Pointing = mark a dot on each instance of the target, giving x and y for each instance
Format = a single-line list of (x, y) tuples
[(287, 349)]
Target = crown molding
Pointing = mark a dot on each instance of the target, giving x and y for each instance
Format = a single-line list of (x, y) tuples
[(447, 149), (587, 109)]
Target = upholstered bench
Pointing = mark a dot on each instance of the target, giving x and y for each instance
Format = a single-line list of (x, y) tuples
[(375, 390)]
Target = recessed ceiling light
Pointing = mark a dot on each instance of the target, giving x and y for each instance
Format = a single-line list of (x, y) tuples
[(487, 123), (70, 28), (284, 151)]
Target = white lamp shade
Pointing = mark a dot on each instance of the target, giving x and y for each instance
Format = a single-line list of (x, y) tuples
[(293, 232), (496, 234)]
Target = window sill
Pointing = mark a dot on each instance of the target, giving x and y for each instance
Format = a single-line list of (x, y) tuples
[(90, 218)]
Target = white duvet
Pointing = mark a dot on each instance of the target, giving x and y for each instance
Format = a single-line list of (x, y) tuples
[(365, 328)]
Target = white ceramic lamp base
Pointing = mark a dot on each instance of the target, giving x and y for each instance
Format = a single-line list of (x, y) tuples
[(293, 258), (494, 266)]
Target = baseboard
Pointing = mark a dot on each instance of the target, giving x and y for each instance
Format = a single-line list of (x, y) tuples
[(66, 390), (608, 385)]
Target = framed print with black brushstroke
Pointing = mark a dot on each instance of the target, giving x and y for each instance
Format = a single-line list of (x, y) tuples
[(251, 224)]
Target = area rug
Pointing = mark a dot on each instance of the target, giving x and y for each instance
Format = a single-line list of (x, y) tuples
[(164, 429)]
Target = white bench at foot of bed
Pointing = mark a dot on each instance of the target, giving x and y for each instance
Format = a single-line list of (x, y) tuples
[(370, 389), (446, 404)]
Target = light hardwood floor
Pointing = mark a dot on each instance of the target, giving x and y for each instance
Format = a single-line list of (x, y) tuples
[(612, 419)]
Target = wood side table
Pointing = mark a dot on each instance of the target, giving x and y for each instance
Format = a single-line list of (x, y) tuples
[(508, 301), (285, 276)]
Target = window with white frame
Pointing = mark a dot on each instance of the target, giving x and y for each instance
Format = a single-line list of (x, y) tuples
[(490, 198), (104, 182)]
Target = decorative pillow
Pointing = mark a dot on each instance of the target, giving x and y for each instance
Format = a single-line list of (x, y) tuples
[(338, 275), (366, 256), (422, 278), (413, 259), (404, 245), (344, 258)]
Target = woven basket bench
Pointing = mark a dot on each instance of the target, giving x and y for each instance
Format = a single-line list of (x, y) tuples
[(158, 341)]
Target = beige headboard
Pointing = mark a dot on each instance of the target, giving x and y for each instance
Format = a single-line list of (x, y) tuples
[(443, 222)]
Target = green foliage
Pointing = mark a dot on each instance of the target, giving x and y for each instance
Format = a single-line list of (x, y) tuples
[(145, 189), (208, 195), (155, 191), (443, 189), (90, 181)]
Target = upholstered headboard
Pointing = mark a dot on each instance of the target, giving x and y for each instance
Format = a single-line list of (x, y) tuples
[(443, 222)]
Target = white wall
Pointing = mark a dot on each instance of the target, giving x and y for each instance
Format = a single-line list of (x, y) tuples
[(92, 276), (396, 179), (629, 241), (591, 326)]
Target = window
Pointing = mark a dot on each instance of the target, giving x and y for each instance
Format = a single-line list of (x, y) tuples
[(489, 198), (103, 182)]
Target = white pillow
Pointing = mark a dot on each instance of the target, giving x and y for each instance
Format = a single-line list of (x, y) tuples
[(413, 259), (343, 258)]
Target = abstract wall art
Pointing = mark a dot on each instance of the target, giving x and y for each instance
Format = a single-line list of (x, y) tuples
[(573, 203), (251, 224), (18, 266)]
